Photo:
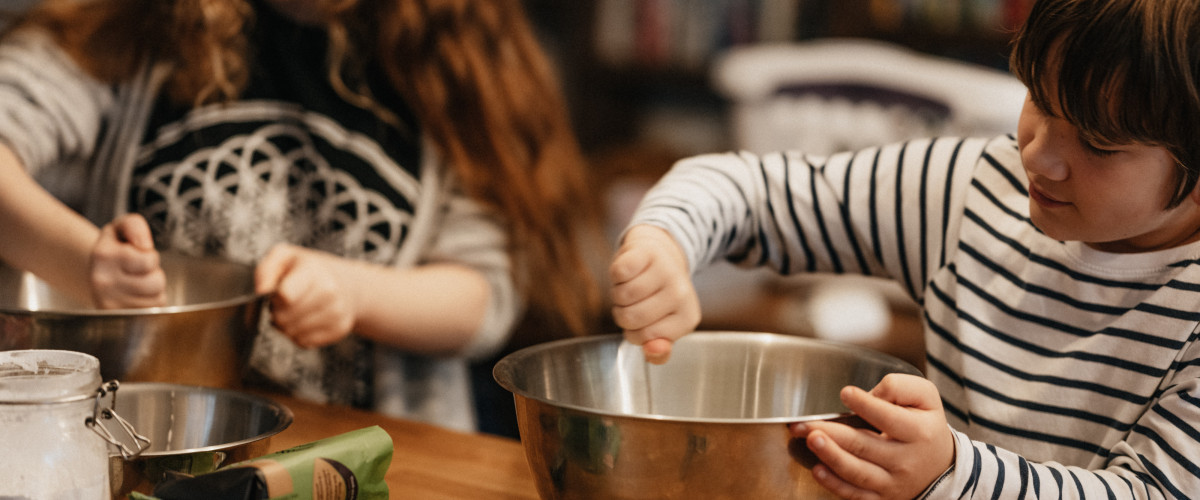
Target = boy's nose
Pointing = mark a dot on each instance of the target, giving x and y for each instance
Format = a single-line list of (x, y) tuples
[(1043, 158)]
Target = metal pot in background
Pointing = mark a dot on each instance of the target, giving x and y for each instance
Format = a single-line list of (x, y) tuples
[(711, 423), (203, 335), (192, 430)]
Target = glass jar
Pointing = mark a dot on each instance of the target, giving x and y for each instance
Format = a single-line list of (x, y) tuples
[(50, 409)]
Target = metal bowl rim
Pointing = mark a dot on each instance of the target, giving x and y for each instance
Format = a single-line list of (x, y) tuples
[(501, 372), (239, 300), (165, 256), (285, 414)]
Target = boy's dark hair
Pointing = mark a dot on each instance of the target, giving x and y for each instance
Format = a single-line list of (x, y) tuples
[(1127, 72)]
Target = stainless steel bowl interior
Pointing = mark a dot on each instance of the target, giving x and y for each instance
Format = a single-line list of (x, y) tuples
[(597, 422), (185, 419), (192, 430), (203, 336), (711, 377), (193, 283)]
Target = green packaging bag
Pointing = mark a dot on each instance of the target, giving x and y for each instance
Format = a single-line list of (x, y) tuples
[(349, 466)]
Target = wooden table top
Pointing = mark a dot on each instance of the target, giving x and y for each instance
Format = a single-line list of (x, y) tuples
[(428, 462)]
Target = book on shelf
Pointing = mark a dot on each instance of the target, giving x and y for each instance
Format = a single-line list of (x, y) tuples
[(686, 34)]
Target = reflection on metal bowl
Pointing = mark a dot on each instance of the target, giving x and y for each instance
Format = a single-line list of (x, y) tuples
[(710, 423), (203, 335), (191, 430)]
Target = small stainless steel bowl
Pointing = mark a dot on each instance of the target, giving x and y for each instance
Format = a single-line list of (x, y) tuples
[(203, 336), (710, 423), (191, 429)]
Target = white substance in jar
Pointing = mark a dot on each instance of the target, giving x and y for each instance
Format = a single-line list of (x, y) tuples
[(46, 449)]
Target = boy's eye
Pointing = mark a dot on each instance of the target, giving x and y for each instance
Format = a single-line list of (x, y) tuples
[(1098, 148), (1099, 151)]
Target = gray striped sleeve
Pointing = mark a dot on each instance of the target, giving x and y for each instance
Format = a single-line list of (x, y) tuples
[(50, 111), (878, 211), (473, 236)]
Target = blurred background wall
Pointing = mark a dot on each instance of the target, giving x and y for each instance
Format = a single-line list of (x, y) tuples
[(630, 65)]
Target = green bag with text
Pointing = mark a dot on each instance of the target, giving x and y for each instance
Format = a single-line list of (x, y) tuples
[(349, 466)]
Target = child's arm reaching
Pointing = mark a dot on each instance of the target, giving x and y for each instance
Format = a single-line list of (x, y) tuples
[(654, 300), (777, 211), (116, 267)]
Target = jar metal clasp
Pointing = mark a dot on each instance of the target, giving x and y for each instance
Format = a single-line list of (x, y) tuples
[(99, 412)]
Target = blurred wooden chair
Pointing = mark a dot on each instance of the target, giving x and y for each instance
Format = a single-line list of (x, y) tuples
[(826, 96), (831, 95)]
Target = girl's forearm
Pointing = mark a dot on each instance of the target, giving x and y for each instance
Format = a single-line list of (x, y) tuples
[(41, 234), (434, 308)]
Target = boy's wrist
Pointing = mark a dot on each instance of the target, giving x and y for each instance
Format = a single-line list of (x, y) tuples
[(946, 476)]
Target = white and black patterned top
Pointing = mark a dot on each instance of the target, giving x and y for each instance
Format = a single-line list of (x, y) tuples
[(290, 162), (1066, 372)]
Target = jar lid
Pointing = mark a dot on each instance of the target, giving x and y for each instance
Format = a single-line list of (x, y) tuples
[(47, 376)]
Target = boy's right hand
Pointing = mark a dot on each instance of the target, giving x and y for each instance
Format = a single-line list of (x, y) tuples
[(125, 269), (654, 299)]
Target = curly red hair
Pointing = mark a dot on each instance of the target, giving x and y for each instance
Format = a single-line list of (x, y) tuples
[(472, 70)]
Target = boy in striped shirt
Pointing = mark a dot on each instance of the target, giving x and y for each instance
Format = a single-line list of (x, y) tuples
[(1058, 270)]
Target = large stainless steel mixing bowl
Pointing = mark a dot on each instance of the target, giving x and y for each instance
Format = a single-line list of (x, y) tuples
[(202, 336), (711, 423), (191, 430)]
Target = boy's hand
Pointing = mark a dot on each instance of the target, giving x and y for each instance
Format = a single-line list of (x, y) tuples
[(125, 270), (912, 448), (308, 304), (652, 292)]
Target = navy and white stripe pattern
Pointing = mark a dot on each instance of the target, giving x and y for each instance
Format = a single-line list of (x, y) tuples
[(1065, 372)]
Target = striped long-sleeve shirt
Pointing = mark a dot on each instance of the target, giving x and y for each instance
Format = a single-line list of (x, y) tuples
[(1065, 372)]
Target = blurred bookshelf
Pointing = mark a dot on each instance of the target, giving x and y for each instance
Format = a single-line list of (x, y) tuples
[(625, 63), (682, 35)]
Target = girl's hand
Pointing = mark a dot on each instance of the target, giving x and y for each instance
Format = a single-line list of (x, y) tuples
[(125, 270), (308, 301), (912, 448), (652, 292)]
